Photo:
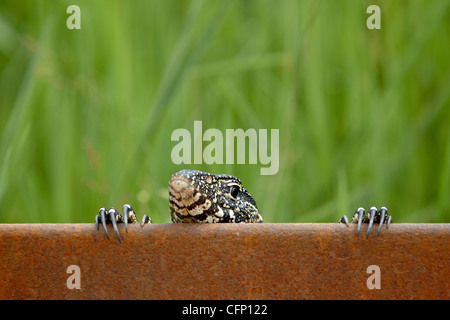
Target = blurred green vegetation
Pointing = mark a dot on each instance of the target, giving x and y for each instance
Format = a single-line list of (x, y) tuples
[(86, 116)]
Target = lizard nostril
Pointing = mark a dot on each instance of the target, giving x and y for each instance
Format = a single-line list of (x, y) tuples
[(178, 185)]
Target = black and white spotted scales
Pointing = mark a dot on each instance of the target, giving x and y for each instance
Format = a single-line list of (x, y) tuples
[(201, 197)]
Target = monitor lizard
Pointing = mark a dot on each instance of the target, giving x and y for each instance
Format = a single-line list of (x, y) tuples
[(202, 197)]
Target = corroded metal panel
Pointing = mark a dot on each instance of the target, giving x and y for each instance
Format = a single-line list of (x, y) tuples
[(224, 261)]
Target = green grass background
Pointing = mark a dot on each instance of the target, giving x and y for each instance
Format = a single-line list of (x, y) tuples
[(86, 116)]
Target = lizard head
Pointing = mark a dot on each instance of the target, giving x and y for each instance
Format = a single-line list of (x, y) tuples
[(201, 197)]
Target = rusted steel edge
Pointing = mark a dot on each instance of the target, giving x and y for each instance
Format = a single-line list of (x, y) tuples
[(224, 261)]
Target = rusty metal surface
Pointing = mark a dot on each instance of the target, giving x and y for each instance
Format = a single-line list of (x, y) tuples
[(224, 261)]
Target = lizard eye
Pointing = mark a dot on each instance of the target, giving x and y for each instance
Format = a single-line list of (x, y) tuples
[(234, 190)]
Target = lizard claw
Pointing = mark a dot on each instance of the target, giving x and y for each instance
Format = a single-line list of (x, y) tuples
[(126, 210), (344, 219), (389, 220), (372, 212), (360, 212), (145, 219), (112, 216), (97, 217), (383, 213), (102, 218), (373, 216)]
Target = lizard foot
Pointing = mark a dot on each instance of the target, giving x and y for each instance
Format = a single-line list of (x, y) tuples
[(114, 217), (373, 216)]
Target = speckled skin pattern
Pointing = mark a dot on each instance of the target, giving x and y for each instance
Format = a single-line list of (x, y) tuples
[(201, 197)]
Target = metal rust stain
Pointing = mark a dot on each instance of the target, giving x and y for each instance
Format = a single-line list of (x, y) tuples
[(224, 261)]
